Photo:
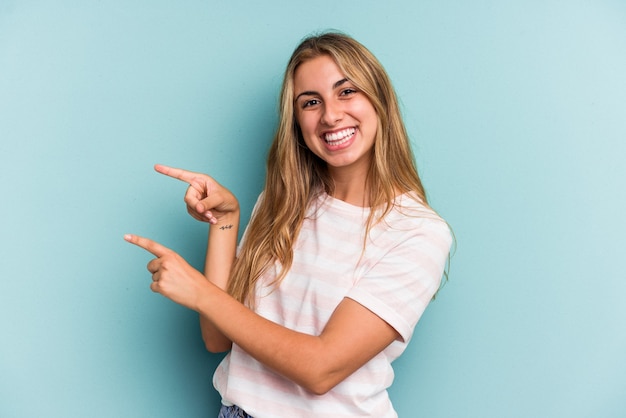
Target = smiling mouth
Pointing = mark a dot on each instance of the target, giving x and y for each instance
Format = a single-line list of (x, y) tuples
[(338, 138)]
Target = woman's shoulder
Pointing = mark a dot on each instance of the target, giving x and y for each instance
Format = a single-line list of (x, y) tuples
[(410, 212), (410, 205)]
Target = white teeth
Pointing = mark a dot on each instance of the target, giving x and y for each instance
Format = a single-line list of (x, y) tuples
[(338, 138)]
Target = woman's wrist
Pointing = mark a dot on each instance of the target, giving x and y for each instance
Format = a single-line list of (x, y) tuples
[(228, 221), (221, 249)]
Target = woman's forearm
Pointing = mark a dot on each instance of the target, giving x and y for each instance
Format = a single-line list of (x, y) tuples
[(352, 337), (221, 252)]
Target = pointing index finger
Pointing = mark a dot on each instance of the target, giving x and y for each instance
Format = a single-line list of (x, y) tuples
[(177, 173), (147, 244)]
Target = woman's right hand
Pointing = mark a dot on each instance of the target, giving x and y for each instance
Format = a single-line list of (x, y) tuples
[(206, 199)]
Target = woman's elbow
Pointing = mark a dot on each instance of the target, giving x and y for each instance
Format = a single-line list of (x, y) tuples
[(321, 384), (319, 389), (215, 347)]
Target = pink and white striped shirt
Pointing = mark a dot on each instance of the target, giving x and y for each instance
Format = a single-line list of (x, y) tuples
[(396, 277)]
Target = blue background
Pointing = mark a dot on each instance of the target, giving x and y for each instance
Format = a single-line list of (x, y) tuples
[(518, 112)]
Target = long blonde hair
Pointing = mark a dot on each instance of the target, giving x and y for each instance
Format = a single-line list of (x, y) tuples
[(295, 175)]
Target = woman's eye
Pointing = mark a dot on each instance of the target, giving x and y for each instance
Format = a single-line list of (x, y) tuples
[(309, 103), (347, 92)]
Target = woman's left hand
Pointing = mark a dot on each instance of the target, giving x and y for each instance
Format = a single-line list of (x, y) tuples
[(172, 276)]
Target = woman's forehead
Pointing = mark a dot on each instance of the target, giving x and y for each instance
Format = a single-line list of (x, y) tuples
[(321, 71)]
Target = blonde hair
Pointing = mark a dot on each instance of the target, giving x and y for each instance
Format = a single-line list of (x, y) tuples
[(295, 175)]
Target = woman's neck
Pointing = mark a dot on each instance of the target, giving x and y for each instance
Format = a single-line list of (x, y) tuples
[(351, 187)]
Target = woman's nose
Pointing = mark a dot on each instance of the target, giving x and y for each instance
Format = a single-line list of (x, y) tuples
[(332, 114)]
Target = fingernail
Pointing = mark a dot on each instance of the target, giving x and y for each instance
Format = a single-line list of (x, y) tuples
[(128, 237)]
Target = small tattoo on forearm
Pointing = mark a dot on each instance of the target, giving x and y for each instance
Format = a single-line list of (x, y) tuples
[(226, 227)]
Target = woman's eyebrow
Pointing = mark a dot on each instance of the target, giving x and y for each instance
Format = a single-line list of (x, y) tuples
[(340, 82), (305, 93), (313, 93)]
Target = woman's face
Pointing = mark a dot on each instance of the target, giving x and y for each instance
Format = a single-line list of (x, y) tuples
[(338, 122)]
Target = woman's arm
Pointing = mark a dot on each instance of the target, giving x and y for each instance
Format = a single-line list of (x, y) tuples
[(221, 249), (352, 336), (208, 201)]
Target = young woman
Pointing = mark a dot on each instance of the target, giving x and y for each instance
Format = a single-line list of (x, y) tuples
[(340, 258)]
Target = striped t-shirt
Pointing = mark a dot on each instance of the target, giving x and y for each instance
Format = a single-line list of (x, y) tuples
[(395, 277)]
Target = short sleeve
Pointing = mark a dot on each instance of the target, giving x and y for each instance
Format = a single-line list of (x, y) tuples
[(403, 270)]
